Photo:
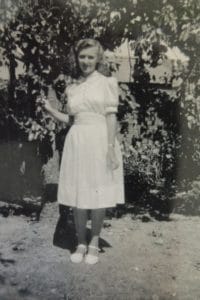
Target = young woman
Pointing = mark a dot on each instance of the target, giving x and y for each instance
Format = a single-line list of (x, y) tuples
[(91, 174)]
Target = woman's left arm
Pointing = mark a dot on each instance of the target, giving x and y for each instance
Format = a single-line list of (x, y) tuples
[(111, 121)]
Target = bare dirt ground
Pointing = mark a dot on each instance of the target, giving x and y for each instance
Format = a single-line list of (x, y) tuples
[(154, 260)]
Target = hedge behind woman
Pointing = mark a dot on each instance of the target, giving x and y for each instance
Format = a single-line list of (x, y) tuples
[(91, 176)]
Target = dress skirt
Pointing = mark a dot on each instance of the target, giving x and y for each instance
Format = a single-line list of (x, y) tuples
[(85, 180)]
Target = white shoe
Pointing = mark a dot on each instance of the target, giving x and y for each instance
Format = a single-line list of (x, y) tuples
[(92, 259), (78, 256)]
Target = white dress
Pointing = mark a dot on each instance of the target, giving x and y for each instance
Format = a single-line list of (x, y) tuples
[(85, 180)]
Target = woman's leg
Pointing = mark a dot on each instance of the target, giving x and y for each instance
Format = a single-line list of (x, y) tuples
[(80, 219), (97, 217)]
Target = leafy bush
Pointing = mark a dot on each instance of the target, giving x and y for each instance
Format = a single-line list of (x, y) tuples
[(187, 201), (155, 159)]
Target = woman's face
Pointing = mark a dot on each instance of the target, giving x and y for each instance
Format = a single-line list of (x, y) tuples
[(87, 60)]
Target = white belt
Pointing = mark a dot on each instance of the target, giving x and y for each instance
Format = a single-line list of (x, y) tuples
[(87, 118)]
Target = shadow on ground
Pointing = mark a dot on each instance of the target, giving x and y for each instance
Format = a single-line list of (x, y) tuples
[(65, 233)]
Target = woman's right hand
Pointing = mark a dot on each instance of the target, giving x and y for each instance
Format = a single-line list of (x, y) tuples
[(47, 106), (112, 161), (62, 117)]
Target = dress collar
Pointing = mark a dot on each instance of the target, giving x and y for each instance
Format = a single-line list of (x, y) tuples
[(90, 76)]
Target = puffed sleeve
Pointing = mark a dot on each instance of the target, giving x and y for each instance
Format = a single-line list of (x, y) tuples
[(112, 95)]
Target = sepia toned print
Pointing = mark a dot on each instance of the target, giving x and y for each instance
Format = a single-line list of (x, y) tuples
[(99, 149)]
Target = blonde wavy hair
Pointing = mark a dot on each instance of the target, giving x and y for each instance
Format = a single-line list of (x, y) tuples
[(101, 66)]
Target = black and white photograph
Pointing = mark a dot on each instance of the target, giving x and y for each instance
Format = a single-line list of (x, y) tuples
[(99, 149)]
